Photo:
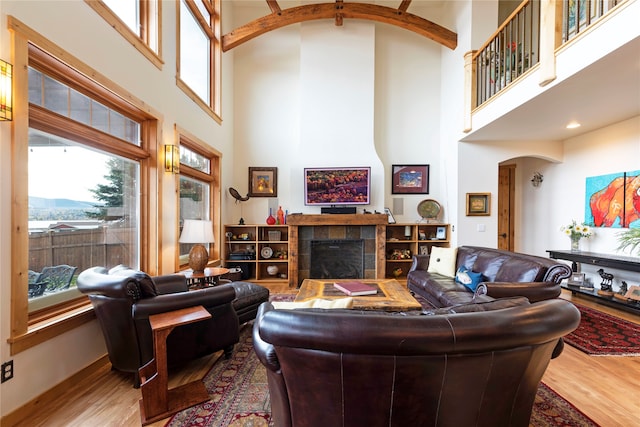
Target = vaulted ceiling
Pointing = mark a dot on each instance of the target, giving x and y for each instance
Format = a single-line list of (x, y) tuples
[(338, 11)]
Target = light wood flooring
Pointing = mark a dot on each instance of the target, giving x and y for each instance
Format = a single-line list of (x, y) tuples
[(606, 388)]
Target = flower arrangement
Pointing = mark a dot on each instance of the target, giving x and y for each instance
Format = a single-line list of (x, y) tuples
[(577, 231)]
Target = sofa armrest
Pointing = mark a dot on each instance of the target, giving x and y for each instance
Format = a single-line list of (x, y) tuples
[(208, 298), (534, 291), (420, 262), (264, 350)]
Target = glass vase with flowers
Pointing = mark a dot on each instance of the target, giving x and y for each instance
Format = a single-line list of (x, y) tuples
[(576, 232)]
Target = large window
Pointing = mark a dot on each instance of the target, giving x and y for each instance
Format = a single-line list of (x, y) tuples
[(199, 52), (138, 21), (83, 167), (199, 189)]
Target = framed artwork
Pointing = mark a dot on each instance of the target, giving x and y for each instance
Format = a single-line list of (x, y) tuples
[(391, 219), (441, 233), (633, 293), (604, 196), (263, 182), (576, 279), (410, 179), (478, 204)]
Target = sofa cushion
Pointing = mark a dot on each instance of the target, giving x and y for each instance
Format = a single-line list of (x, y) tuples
[(520, 270), (443, 261), (480, 306), (468, 278)]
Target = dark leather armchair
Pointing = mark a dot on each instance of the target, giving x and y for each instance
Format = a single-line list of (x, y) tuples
[(123, 300), (340, 368)]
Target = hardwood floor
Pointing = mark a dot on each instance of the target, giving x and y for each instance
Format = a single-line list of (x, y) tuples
[(605, 388)]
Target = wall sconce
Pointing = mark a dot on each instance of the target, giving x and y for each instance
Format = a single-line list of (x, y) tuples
[(537, 179), (6, 82), (172, 158)]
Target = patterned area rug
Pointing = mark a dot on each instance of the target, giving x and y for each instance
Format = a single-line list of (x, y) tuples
[(600, 334), (240, 397)]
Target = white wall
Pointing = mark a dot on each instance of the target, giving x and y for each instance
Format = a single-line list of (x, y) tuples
[(362, 94)]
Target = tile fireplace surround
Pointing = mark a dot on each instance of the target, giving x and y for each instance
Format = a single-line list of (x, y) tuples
[(304, 228)]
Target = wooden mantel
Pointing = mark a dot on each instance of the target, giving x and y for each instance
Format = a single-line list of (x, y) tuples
[(337, 219), (303, 220)]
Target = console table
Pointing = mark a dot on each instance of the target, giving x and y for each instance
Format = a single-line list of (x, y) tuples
[(618, 262)]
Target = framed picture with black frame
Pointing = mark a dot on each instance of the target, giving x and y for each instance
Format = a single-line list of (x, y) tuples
[(263, 182), (410, 179)]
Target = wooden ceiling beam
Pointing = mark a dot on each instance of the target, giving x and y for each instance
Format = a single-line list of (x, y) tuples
[(281, 18)]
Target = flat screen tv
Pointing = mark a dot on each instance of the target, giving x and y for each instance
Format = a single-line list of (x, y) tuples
[(337, 186)]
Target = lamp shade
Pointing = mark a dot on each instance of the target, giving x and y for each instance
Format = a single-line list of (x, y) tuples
[(197, 231)]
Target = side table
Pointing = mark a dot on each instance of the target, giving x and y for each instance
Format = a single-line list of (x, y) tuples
[(211, 277), (158, 401)]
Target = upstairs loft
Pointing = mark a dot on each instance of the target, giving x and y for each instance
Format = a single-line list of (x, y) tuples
[(543, 68)]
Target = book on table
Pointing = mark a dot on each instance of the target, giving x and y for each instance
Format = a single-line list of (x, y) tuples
[(355, 289)]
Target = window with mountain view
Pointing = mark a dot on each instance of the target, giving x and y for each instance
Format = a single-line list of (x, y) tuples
[(84, 207)]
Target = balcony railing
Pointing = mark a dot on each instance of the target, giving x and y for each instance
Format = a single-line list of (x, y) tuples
[(511, 51), (578, 8), (516, 46)]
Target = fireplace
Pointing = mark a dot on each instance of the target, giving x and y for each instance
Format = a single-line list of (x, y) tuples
[(337, 259)]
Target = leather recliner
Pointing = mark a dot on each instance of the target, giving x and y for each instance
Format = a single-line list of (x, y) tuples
[(123, 299), (353, 368)]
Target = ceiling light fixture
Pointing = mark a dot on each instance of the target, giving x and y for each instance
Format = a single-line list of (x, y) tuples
[(573, 125)]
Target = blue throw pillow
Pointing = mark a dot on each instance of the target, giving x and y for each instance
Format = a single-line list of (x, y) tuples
[(468, 278)]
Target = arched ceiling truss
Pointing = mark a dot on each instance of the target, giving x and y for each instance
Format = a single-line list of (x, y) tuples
[(339, 10)]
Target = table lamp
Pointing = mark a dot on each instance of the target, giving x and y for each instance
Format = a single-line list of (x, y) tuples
[(199, 232)]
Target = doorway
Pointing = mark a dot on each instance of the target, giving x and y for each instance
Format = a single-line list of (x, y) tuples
[(506, 206)]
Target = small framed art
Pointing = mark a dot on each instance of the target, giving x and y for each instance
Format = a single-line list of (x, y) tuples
[(478, 204), (633, 293), (576, 279), (263, 182), (410, 179), (441, 233), (390, 217)]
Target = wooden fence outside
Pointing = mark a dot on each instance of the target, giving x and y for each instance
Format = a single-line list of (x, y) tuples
[(82, 248)]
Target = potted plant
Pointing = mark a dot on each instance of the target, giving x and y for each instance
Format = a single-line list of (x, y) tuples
[(630, 239)]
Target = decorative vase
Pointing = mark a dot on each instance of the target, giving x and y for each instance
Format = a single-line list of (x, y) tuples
[(270, 219), (575, 243), (272, 270)]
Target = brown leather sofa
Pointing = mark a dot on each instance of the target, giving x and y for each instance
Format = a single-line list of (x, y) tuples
[(123, 299), (504, 274), (356, 368)]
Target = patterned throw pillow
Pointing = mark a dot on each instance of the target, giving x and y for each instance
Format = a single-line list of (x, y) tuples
[(468, 278), (443, 261)]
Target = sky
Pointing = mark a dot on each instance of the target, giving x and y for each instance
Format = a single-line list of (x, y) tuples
[(65, 172)]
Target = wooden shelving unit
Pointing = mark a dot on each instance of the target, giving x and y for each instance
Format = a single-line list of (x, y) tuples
[(244, 247), (402, 241)]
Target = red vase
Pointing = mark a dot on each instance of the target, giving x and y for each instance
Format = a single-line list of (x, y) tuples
[(270, 219)]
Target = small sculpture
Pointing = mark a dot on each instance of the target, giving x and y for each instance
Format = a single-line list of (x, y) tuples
[(622, 292), (605, 285)]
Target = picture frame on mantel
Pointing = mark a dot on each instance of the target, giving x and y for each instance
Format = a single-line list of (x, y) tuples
[(478, 204), (410, 179), (263, 182)]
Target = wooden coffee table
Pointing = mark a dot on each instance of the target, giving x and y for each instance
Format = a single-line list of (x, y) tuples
[(391, 296)]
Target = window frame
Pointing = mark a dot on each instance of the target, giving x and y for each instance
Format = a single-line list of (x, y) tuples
[(32, 49), (212, 29), (213, 178), (150, 27)]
